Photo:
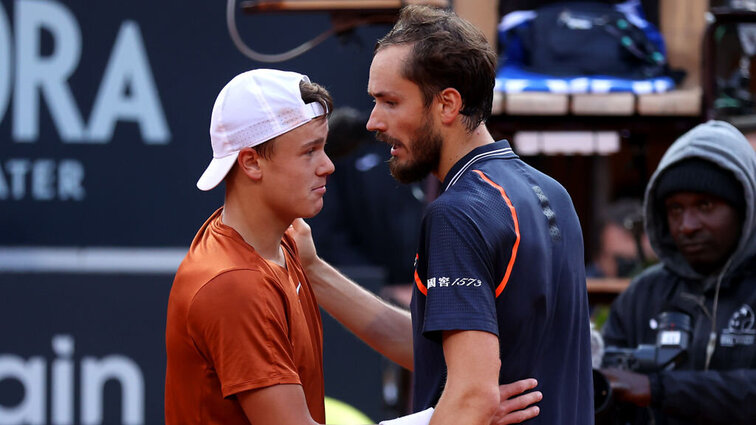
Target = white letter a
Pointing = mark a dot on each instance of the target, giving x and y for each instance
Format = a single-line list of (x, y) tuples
[(128, 67)]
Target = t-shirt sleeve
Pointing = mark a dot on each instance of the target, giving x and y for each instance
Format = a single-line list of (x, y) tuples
[(239, 324), (461, 275)]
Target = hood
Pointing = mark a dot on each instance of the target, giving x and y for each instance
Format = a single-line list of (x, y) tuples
[(724, 145)]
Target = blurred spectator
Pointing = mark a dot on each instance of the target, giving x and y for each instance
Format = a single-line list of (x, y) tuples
[(369, 219), (623, 248)]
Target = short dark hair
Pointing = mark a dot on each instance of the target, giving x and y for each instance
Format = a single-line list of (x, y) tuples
[(447, 51), (311, 92)]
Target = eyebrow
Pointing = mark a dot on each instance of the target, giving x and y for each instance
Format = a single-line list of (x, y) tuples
[(315, 142), (381, 94)]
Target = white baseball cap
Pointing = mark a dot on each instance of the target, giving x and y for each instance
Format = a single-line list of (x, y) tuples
[(252, 108)]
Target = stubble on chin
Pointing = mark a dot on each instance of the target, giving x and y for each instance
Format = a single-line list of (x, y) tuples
[(410, 172), (425, 155)]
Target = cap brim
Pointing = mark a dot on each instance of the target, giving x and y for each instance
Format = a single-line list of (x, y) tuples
[(216, 171)]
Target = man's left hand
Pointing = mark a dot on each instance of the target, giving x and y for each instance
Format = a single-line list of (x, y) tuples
[(629, 387), (514, 406), (303, 238)]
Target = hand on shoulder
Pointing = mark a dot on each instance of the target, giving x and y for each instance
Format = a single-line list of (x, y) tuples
[(302, 234)]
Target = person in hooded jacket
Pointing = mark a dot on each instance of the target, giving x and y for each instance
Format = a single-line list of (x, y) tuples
[(699, 216)]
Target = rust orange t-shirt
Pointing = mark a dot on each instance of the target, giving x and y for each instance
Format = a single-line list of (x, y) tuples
[(237, 322)]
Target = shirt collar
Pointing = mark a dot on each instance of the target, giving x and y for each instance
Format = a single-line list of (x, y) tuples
[(500, 149)]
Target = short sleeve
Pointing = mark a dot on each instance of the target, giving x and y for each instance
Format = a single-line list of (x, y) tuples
[(238, 322), (460, 273)]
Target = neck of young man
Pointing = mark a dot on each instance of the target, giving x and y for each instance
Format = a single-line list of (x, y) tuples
[(458, 142), (261, 229)]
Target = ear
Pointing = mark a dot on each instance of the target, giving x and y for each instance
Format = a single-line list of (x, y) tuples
[(449, 103), (248, 162)]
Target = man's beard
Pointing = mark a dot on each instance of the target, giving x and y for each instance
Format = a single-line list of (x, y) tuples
[(425, 154)]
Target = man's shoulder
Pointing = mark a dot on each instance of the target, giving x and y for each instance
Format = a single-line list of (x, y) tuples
[(235, 290), (498, 170), (456, 210), (473, 199), (514, 177), (478, 186), (243, 279), (652, 272), (195, 276), (205, 263)]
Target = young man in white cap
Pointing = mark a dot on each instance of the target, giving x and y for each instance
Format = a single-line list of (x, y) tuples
[(241, 315), (243, 333)]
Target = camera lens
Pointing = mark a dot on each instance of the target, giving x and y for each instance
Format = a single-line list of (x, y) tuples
[(674, 320)]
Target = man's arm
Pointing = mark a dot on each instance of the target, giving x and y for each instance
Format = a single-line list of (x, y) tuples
[(713, 397), (275, 405), (717, 397), (388, 329), (628, 386), (286, 404), (385, 328), (471, 395)]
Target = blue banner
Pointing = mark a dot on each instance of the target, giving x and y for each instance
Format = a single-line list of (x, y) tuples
[(105, 110), (104, 119)]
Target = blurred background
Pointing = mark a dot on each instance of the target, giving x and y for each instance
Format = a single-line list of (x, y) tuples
[(104, 117)]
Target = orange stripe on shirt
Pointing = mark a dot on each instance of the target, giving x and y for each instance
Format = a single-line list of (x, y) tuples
[(419, 282), (504, 281)]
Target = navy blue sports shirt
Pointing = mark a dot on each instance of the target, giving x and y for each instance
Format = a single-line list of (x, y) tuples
[(501, 251)]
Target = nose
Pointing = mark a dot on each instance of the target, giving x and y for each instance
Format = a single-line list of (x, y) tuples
[(326, 168), (375, 123), (690, 221)]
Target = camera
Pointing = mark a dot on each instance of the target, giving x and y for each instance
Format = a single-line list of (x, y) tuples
[(672, 338)]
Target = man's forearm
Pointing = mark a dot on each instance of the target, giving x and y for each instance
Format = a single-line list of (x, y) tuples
[(471, 393), (385, 328), (473, 407)]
